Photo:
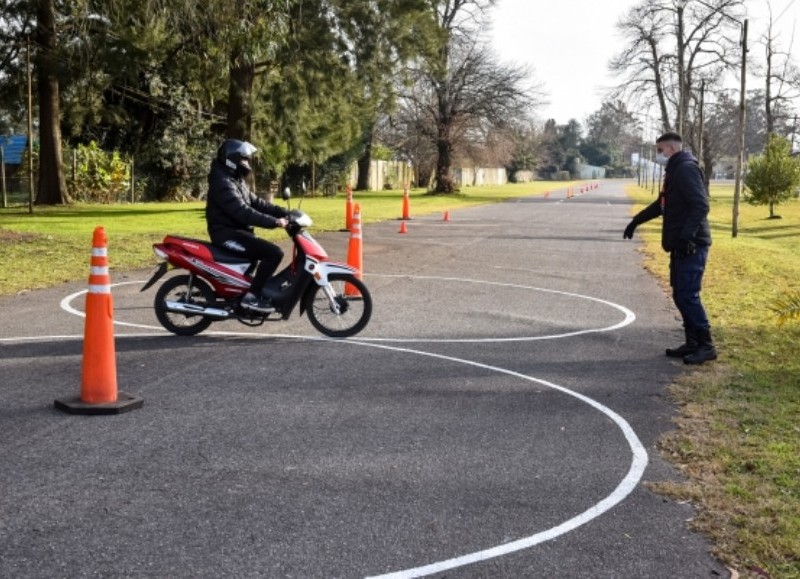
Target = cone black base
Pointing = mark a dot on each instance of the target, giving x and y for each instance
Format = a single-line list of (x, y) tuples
[(125, 403)]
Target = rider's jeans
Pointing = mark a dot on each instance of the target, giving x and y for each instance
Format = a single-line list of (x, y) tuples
[(248, 245), (686, 279)]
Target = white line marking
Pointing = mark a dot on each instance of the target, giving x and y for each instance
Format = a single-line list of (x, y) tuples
[(624, 488), (629, 318), (66, 305)]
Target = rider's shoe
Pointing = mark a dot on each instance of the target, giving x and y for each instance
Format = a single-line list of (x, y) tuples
[(256, 304)]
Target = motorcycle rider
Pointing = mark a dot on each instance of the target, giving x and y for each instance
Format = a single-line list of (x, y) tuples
[(232, 213)]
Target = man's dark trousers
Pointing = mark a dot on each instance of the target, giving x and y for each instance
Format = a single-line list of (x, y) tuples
[(686, 279)]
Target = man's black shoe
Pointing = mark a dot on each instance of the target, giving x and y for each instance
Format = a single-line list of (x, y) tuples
[(689, 347), (703, 354), (705, 349), (257, 304)]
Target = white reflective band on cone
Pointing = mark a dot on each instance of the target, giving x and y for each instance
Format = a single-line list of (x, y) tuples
[(99, 289)]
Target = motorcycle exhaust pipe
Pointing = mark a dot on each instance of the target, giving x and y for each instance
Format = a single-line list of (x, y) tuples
[(195, 310)]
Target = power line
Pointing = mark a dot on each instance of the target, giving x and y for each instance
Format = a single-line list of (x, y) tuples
[(785, 10)]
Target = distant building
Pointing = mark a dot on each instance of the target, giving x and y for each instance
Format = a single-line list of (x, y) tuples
[(590, 172)]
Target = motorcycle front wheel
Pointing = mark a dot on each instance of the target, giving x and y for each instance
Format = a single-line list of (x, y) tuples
[(183, 289), (350, 312)]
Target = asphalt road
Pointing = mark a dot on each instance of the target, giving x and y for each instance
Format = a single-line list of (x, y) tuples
[(497, 418)]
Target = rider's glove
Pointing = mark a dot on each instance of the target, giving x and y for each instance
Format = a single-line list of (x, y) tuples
[(628, 234)]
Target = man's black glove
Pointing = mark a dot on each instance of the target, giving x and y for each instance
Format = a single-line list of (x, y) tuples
[(685, 247), (628, 234)]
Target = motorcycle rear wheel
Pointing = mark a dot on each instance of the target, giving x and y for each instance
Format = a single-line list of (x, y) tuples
[(355, 305), (178, 289)]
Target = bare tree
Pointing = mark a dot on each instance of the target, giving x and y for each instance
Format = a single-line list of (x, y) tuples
[(673, 45), (460, 90), (781, 76)]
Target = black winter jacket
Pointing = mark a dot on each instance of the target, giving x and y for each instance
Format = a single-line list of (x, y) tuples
[(683, 202), (231, 206)]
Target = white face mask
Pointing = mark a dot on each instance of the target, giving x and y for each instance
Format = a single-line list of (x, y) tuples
[(662, 159)]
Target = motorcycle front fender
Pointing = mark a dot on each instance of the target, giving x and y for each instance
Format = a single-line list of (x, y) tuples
[(322, 270)]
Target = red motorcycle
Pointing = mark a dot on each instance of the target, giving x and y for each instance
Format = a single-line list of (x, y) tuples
[(335, 299)]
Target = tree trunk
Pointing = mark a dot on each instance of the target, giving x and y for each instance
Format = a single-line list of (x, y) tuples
[(52, 183), (240, 89), (444, 180), (444, 144), (364, 162)]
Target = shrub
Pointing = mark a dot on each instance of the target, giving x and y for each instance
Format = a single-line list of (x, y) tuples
[(98, 176)]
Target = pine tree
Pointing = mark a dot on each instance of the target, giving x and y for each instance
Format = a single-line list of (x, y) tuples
[(774, 176)]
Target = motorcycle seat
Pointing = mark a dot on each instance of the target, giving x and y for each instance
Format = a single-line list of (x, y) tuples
[(219, 254), (224, 256)]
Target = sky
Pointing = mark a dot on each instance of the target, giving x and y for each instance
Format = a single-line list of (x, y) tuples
[(569, 43)]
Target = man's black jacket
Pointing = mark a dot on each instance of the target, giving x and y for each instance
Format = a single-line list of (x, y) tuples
[(231, 206), (683, 202)]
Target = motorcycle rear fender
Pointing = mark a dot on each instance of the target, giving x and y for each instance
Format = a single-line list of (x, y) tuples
[(162, 269)]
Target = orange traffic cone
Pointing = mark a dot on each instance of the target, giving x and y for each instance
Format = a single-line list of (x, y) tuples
[(547, 194), (355, 251), (403, 228), (446, 216), (99, 379), (406, 205)]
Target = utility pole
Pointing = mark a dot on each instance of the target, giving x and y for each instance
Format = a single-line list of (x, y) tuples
[(641, 163), (701, 138), (30, 129), (737, 190), (3, 174)]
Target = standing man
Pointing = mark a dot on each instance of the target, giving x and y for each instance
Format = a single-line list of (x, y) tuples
[(686, 236)]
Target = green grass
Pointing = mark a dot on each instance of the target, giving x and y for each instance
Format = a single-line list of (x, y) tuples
[(738, 436), (52, 245)]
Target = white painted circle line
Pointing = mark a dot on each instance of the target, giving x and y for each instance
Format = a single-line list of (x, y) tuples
[(66, 305), (629, 316), (624, 488)]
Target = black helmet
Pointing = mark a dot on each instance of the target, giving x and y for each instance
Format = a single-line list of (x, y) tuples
[(237, 156)]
